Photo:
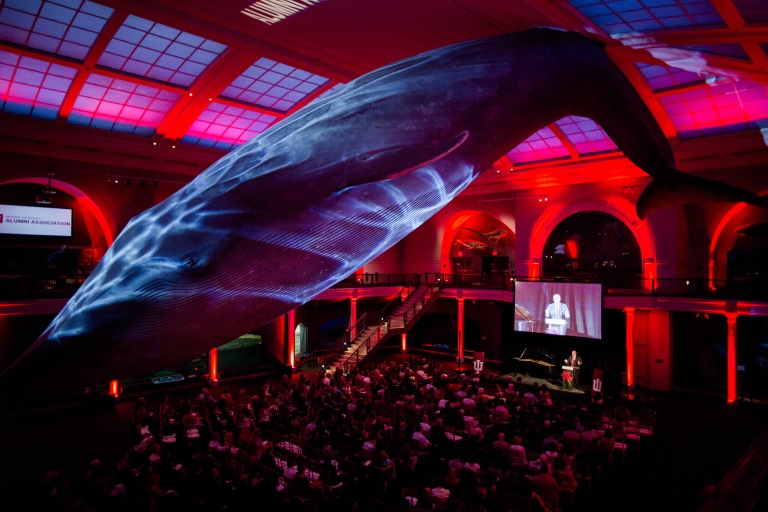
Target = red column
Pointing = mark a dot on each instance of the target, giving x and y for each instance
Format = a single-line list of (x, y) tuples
[(213, 367), (460, 324), (352, 318), (731, 317), (402, 343), (630, 312), (290, 341)]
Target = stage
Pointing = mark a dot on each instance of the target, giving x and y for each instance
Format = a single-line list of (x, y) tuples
[(554, 385)]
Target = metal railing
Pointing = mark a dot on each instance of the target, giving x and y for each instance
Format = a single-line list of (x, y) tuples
[(411, 282), (369, 342), (31, 288), (406, 316), (373, 339), (27, 287), (374, 279)]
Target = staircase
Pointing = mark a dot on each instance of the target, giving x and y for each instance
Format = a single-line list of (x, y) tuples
[(374, 329)]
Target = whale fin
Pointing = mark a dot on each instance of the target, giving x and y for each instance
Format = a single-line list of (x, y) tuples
[(681, 188), (392, 163)]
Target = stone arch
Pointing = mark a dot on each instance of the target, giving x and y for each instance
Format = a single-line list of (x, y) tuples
[(720, 226), (450, 228), (616, 206), (106, 221)]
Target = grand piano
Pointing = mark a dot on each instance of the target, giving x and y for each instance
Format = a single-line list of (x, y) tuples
[(524, 321), (531, 362), (535, 364)]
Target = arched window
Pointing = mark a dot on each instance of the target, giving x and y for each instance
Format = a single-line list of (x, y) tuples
[(300, 340), (591, 242)]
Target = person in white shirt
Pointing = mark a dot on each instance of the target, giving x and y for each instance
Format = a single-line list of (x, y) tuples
[(470, 425), (530, 398), (421, 439), (517, 452), (369, 449), (425, 426)]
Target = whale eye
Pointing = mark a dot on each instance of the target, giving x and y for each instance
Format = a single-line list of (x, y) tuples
[(189, 262)]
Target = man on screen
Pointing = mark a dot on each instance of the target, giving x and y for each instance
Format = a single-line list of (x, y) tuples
[(575, 361), (558, 311)]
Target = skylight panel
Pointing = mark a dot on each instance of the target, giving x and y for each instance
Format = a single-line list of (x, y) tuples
[(617, 16), (724, 108), (753, 11), (663, 77), (733, 50), (273, 85), (32, 87), (64, 27), (225, 127), (542, 145), (586, 135), (121, 105), (156, 51)]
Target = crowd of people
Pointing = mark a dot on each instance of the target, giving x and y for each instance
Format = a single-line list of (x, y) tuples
[(390, 436)]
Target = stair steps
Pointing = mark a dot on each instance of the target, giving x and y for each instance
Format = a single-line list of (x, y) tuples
[(395, 322)]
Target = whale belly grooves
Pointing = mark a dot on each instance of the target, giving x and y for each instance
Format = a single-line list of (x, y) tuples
[(252, 283)]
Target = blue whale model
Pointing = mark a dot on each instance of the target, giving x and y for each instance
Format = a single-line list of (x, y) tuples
[(312, 199)]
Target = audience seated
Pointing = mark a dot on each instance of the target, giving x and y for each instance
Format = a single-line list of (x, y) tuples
[(404, 434)]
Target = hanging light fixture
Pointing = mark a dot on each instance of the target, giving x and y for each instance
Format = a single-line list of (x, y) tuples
[(46, 197)]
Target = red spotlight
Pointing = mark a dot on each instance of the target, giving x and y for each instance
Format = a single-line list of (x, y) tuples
[(114, 388)]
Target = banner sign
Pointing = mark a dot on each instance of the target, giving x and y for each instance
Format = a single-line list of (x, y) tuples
[(32, 220), (597, 381), (478, 358)]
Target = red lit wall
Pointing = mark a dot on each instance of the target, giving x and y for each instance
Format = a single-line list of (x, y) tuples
[(653, 349)]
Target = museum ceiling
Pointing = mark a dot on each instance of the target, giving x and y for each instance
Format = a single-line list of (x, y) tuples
[(176, 84)]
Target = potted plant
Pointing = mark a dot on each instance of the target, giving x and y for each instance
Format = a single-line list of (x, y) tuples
[(567, 380)]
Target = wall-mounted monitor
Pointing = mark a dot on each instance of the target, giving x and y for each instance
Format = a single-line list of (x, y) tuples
[(33, 220), (559, 309)]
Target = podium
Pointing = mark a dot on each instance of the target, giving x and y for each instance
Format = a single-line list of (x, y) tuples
[(555, 325), (569, 369)]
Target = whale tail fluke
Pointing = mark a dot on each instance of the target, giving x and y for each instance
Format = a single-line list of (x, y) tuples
[(680, 188)]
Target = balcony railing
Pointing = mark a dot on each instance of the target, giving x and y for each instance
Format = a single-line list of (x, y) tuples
[(31, 288), (26, 287)]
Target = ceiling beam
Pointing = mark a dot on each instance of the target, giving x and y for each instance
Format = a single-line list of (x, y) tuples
[(97, 49), (565, 140), (729, 13), (205, 89), (756, 53), (637, 79)]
